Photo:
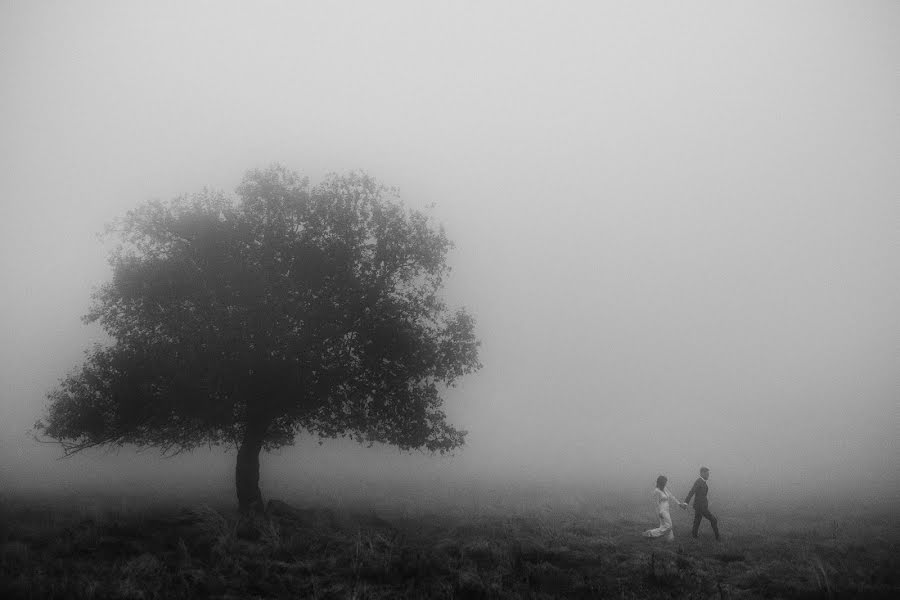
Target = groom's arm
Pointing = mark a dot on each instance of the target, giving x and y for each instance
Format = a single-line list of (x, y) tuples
[(691, 493)]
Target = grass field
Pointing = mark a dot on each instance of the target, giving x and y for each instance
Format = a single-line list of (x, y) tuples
[(51, 548)]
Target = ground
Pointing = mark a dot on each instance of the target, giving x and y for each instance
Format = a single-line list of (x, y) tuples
[(51, 548)]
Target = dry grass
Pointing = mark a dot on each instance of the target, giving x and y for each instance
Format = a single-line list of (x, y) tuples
[(545, 552)]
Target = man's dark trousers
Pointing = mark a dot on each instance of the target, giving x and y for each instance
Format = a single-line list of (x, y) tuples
[(701, 509)]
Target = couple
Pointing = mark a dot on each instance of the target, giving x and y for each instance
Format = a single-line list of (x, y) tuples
[(701, 507)]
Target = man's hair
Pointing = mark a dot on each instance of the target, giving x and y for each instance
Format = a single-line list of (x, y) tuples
[(704, 469)]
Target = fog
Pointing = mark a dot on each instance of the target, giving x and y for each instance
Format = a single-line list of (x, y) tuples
[(676, 224)]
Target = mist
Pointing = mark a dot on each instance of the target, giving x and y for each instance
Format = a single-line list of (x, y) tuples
[(675, 225)]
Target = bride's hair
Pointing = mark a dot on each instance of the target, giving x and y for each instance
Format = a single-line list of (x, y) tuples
[(661, 482)]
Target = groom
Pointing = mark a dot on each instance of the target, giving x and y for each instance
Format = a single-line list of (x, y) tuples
[(701, 504)]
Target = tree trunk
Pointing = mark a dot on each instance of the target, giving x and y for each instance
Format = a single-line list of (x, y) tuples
[(247, 470)]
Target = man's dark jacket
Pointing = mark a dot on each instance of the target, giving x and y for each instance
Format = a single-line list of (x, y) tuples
[(700, 490)]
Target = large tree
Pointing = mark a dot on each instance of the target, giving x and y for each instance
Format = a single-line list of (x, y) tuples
[(245, 322)]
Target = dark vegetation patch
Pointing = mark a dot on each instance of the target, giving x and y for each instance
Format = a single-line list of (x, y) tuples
[(314, 552)]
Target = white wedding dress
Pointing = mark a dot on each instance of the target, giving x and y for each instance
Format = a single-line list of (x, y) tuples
[(662, 498)]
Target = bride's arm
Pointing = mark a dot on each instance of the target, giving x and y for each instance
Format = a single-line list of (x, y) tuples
[(671, 496)]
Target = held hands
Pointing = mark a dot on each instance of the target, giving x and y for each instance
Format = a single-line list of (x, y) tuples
[(683, 505)]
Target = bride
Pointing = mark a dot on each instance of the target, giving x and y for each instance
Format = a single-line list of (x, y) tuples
[(662, 496)]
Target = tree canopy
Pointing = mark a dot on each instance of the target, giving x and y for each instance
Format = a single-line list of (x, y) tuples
[(246, 321)]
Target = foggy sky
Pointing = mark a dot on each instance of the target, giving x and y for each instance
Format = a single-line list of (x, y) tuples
[(677, 225)]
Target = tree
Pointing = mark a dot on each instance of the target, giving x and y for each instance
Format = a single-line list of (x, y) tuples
[(244, 323)]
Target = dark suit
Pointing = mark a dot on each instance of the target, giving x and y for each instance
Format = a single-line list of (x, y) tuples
[(701, 506)]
